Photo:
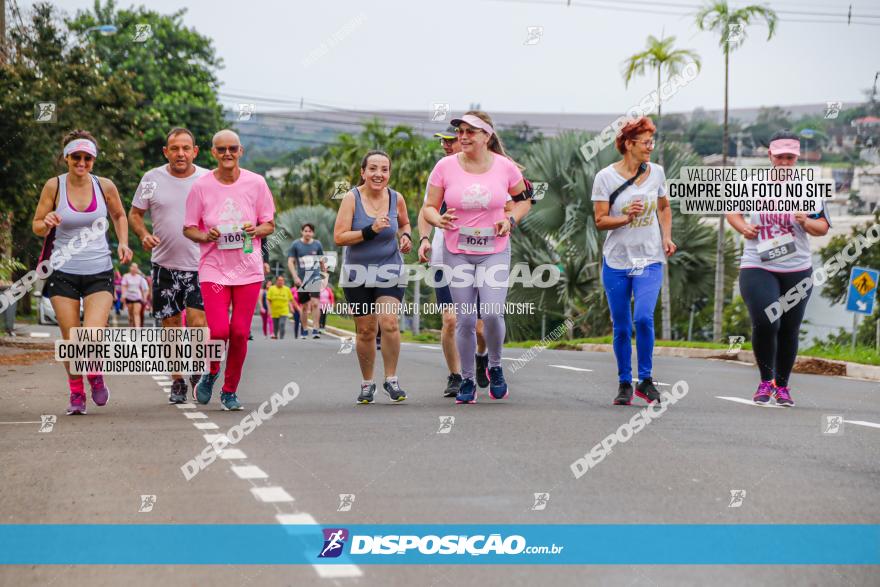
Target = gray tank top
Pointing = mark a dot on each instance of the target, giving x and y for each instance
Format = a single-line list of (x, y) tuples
[(381, 254), (94, 256)]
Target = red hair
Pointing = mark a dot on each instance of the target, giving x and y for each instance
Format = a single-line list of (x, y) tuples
[(631, 130)]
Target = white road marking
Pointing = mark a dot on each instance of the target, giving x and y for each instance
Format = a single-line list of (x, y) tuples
[(337, 571), (300, 519), (572, 368), (863, 423), (40, 335), (269, 494), (229, 454), (40, 422), (196, 416), (186, 406), (211, 438), (511, 359), (205, 425), (747, 402), (428, 346), (249, 472), (160, 377)]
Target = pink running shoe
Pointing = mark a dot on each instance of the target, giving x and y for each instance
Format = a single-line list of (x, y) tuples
[(764, 393), (783, 397), (100, 393), (77, 404)]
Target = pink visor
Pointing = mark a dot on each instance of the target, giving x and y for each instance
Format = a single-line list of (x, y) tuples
[(785, 146), (81, 145), (475, 122)]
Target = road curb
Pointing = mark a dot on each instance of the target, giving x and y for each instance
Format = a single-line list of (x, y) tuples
[(803, 364)]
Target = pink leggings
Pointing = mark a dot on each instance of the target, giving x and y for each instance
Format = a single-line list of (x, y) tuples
[(235, 329), (268, 328)]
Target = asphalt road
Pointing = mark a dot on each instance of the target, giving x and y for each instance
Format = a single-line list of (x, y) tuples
[(680, 469)]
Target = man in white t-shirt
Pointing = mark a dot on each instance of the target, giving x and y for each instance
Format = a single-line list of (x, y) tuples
[(175, 258)]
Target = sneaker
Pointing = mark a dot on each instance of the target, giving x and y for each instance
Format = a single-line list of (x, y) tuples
[(229, 401), (453, 384), (315, 334), (392, 389), (646, 390), (100, 393), (367, 392), (194, 379), (624, 394), (77, 404), (497, 384), (178, 392), (783, 397), (482, 363), (206, 387), (765, 391), (467, 394)]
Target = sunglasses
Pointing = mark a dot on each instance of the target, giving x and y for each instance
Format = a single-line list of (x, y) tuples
[(468, 131), (448, 141), (77, 157), (647, 143), (233, 149)]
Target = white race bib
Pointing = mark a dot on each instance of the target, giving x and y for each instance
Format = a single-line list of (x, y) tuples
[(231, 237), (476, 240), (776, 249)]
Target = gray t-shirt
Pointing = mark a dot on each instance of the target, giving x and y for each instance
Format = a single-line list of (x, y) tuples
[(164, 196), (772, 226), (640, 239), (307, 258)]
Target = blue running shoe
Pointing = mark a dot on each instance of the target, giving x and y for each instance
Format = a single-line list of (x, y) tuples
[(497, 384), (230, 401), (206, 387), (467, 393)]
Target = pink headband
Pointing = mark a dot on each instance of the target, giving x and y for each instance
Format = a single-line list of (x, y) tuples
[(789, 146), (84, 145), (474, 121)]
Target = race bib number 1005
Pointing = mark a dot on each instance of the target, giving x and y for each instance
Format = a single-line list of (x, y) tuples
[(231, 237)]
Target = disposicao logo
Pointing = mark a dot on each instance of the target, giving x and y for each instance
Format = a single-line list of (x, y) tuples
[(334, 542)]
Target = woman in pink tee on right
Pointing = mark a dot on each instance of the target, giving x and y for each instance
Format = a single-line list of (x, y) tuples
[(224, 210)]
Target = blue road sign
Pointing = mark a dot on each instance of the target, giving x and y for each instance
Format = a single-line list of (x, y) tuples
[(862, 290)]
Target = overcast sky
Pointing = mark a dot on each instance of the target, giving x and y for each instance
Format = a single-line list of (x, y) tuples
[(394, 54)]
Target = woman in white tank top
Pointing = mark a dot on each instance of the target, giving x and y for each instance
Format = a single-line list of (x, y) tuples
[(72, 213)]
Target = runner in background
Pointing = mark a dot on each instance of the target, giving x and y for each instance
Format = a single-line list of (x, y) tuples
[(304, 260), (117, 292), (280, 305), (162, 193), (373, 224), (70, 205), (327, 300), (297, 315), (268, 328), (765, 277), (134, 292), (228, 212), (639, 225), (476, 185)]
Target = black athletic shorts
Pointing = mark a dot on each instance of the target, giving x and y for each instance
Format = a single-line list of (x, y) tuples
[(361, 298), (76, 287), (175, 290), (303, 296)]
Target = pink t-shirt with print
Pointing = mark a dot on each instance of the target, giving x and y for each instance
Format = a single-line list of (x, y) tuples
[(478, 199), (210, 204)]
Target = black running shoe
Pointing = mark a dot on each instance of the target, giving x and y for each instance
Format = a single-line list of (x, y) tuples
[(392, 390), (646, 390), (178, 392), (624, 394), (453, 384), (482, 369), (367, 392)]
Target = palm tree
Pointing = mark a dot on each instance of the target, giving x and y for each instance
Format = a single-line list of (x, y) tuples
[(659, 54), (731, 24)]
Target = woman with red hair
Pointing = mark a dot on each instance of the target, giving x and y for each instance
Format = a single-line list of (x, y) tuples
[(630, 203)]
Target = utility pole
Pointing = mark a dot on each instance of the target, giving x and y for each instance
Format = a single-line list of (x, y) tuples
[(2, 32)]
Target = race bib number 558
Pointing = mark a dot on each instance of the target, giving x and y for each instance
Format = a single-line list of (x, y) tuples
[(776, 249)]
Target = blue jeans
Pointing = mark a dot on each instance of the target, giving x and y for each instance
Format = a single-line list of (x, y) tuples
[(620, 287)]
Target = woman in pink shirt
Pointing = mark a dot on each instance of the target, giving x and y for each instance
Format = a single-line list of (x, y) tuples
[(476, 186), (228, 212), (326, 301)]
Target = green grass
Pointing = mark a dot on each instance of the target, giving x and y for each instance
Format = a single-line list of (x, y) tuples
[(863, 355), (348, 324)]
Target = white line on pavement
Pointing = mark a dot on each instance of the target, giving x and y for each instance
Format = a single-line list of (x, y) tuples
[(862, 423), (428, 346), (40, 335), (205, 425), (270, 494), (571, 368), (324, 571), (20, 422), (741, 400), (196, 416), (511, 359), (185, 406), (249, 472), (229, 454)]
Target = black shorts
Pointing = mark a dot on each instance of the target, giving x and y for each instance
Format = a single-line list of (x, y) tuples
[(76, 287), (444, 296), (175, 290), (303, 296), (361, 298)]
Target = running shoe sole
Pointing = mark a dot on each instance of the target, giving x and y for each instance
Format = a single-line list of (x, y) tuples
[(644, 397), (398, 400), (72, 411), (364, 402), (235, 409), (617, 403), (506, 393), (473, 401)]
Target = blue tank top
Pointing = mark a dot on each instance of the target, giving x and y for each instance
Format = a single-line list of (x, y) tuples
[(381, 254)]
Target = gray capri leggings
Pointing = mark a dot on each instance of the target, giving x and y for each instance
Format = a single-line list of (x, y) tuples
[(493, 269)]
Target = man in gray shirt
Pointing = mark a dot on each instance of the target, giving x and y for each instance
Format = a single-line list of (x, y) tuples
[(305, 262)]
